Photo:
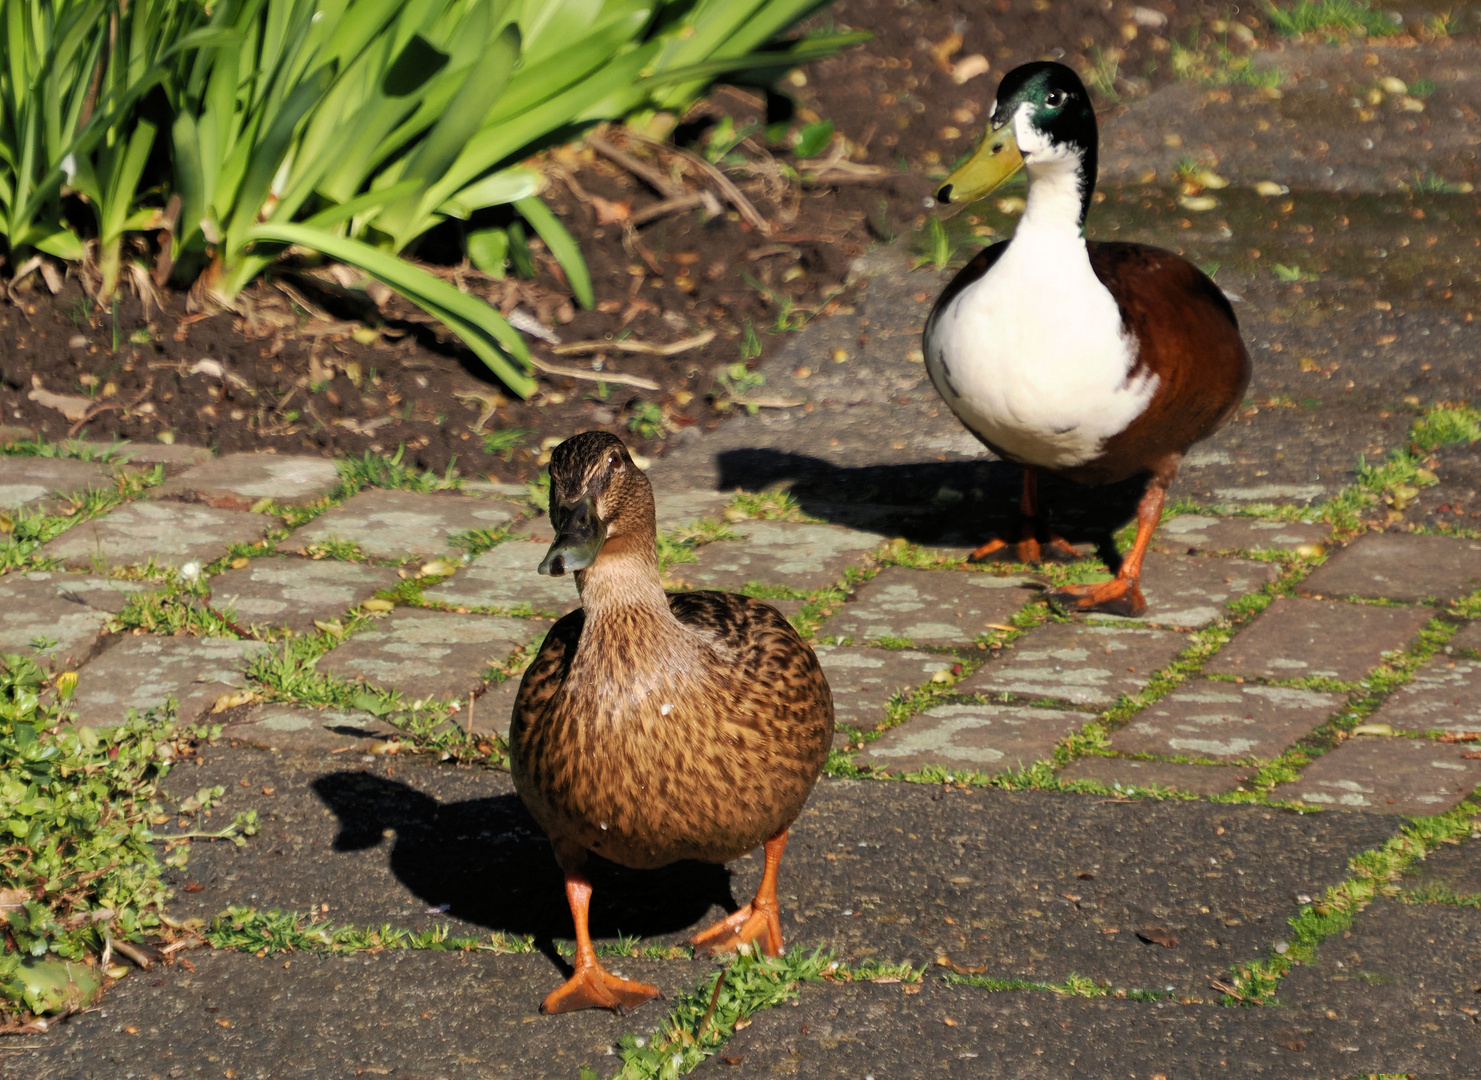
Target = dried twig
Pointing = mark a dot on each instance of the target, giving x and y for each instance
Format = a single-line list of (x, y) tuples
[(673, 348), (675, 205), (594, 376), (98, 410), (723, 183), (1224, 988), (642, 170), (139, 956)]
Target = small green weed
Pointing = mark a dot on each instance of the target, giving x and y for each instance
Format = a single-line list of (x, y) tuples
[(380, 471), (249, 930), (504, 442), (646, 420), (700, 1022), (1374, 873), (1333, 20)]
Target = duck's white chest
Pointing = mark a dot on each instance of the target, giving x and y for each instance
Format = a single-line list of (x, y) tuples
[(1033, 356)]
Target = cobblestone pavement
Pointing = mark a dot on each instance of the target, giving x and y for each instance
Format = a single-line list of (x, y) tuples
[(1093, 836)]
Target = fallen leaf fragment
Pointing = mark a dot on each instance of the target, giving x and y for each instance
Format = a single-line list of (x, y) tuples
[(1373, 729), (1460, 736), (69, 405), (1158, 935), (232, 700)]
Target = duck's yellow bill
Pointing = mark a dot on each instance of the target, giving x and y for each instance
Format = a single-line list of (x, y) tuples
[(995, 160)]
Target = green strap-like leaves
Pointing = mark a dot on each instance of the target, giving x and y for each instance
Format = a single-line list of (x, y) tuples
[(480, 326)]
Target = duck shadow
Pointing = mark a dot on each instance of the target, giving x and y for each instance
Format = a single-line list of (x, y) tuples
[(489, 863), (941, 503)]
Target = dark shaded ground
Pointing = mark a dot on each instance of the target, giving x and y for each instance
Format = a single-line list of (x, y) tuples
[(1347, 1029), (1023, 885), (413, 1016), (1020, 885)]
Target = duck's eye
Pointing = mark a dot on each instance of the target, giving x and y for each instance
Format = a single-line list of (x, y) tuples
[(1055, 99), (614, 459)]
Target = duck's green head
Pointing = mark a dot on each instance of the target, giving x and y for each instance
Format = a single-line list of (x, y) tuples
[(1042, 114), (597, 494)]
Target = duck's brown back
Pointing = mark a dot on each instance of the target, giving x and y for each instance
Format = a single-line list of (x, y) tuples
[(647, 748)]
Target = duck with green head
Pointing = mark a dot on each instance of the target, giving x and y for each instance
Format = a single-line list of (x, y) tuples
[(1093, 361)]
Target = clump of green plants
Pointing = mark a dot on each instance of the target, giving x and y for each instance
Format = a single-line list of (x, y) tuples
[(1396, 482), (78, 867), (247, 929), (1332, 19), (155, 140), (700, 1022)]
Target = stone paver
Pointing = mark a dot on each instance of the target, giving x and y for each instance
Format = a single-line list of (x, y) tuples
[(106, 594), (1444, 695), (984, 738), (429, 654), (401, 524), (171, 534), (1456, 867), (27, 481), (141, 672), (927, 607), (41, 614), (1200, 532), (864, 680), (1133, 774), (1400, 566), (793, 555), (675, 509), (1225, 720), (240, 481), (1328, 639), (1083, 664), (508, 576), (1192, 592), (1467, 638), (494, 708), (294, 592), (292, 727), (171, 457), (1387, 776)]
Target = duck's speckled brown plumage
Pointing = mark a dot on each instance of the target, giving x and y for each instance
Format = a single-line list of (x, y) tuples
[(730, 764), (652, 727)]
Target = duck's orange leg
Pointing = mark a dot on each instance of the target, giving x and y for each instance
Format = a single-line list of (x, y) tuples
[(592, 986), (760, 921), (1122, 595), (1028, 549)]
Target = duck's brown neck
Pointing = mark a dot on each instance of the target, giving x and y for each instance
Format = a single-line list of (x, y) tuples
[(624, 581)]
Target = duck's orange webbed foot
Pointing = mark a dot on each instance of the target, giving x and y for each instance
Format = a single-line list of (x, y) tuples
[(1030, 550), (594, 987), (1119, 596), (758, 923), (1027, 548)]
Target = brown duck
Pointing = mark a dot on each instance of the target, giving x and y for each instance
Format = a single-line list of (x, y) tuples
[(655, 727), (1093, 361)]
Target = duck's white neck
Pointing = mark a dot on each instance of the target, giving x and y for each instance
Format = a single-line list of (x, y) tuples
[(1056, 199)]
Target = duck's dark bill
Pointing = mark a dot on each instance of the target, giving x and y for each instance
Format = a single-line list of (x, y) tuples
[(993, 162), (579, 535)]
